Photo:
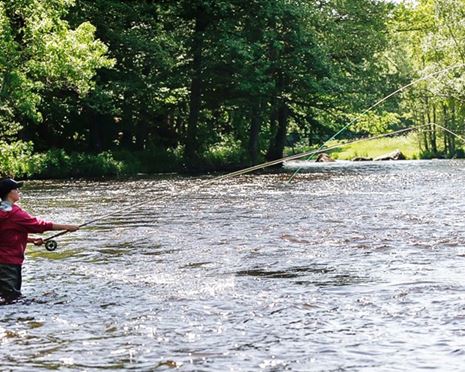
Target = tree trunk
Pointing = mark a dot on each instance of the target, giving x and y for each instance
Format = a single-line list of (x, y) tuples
[(254, 132), (192, 140), (141, 133), (425, 133), (434, 145), (446, 124), (281, 113), (126, 123), (95, 135), (276, 149), (273, 130), (453, 126)]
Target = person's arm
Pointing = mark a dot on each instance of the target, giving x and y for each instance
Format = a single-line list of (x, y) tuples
[(57, 226), (35, 225)]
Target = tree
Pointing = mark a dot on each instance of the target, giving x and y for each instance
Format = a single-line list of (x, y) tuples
[(40, 53), (137, 104), (432, 36)]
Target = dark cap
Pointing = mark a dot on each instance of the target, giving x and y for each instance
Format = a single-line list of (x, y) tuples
[(6, 185)]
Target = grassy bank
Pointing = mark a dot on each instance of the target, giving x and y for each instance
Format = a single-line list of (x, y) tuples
[(19, 160), (408, 145)]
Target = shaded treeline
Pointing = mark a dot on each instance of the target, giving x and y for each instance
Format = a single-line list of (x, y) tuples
[(201, 73), (221, 83), (199, 76)]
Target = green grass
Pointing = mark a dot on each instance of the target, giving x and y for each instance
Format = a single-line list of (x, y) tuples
[(408, 145)]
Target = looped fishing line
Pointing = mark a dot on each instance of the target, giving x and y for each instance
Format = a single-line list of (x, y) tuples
[(353, 121), (52, 245)]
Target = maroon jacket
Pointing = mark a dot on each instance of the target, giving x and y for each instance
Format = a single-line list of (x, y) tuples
[(14, 227)]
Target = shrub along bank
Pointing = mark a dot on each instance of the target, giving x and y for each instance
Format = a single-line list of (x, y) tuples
[(18, 159)]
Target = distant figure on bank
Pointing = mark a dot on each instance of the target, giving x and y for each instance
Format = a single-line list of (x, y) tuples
[(15, 224)]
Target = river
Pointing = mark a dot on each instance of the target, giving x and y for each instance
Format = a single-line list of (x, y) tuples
[(351, 267)]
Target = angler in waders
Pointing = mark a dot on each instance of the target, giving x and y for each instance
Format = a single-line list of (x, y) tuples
[(15, 224)]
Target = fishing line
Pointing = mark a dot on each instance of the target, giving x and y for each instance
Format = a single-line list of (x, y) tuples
[(353, 121), (448, 131), (51, 244)]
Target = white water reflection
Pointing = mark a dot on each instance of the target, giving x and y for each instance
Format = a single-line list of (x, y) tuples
[(350, 267)]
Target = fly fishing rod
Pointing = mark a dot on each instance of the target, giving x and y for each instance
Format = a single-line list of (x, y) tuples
[(51, 244)]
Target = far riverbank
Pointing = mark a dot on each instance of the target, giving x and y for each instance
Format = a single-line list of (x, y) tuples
[(19, 160)]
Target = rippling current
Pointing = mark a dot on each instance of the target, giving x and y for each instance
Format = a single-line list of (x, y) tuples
[(352, 267)]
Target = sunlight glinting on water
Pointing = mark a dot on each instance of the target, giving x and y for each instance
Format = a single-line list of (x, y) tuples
[(350, 266)]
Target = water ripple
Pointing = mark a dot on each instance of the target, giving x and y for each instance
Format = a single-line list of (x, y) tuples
[(350, 267)]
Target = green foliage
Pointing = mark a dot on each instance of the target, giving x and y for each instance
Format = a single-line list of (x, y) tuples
[(40, 53), (374, 123), (154, 161), (58, 164), (192, 73), (147, 88), (428, 38), (68, 58), (16, 159), (225, 154)]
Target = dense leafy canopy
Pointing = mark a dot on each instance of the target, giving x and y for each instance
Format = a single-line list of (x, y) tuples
[(225, 82), (39, 53), (430, 40)]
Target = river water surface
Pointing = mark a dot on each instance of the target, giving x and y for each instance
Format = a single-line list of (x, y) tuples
[(352, 267)]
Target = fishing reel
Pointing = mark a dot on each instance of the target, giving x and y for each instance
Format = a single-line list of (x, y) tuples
[(51, 245)]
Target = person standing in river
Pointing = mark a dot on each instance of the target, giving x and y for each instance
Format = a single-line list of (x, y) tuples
[(15, 225)]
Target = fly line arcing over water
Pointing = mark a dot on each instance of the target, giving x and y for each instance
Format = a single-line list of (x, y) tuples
[(322, 148), (52, 245), (401, 89)]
